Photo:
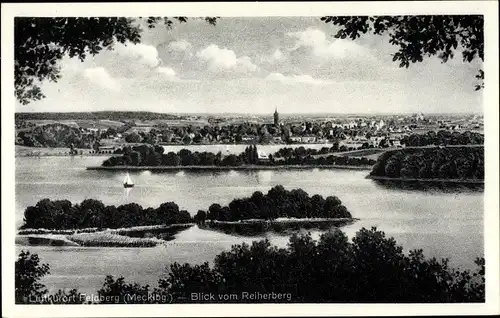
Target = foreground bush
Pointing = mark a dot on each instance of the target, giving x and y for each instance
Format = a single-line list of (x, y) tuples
[(29, 290), (370, 269)]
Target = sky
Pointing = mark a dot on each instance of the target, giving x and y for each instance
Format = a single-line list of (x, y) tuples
[(254, 65)]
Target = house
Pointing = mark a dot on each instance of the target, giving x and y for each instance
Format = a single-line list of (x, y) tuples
[(350, 143), (395, 142), (106, 149), (295, 139), (93, 130), (247, 138), (308, 139), (262, 156)]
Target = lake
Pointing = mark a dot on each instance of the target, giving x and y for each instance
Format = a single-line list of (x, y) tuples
[(444, 224)]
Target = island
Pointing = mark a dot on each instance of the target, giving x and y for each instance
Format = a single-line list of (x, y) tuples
[(91, 223), (279, 210), (148, 157)]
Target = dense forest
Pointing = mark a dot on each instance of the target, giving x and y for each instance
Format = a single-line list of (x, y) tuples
[(432, 163), (147, 155), (277, 203), (56, 135), (62, 214), (110, 115), (443, 137), (372, 268)]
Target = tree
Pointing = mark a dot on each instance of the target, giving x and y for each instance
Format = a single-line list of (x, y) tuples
[(133, 138), (420, 36), (40, 43), (200, 217), (117, 291), (28, 272), (187, 139)]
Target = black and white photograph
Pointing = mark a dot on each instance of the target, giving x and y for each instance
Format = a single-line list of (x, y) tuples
[(187, 154)]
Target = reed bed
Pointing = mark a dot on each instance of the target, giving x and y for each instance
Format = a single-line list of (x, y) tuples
[(53, 231), (151, 227), (110, 239)]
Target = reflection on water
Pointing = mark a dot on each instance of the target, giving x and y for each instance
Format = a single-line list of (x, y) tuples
[(264, 176), (232, 173), (126, 192), (448, 187), (442, 223), (180, 173)]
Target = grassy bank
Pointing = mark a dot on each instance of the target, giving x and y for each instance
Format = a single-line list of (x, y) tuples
[(52, 231), (282, 225), (24, 151), (46, 240), (227, 168), (137, 236)]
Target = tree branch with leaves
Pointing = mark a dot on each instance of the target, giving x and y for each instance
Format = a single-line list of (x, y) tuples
[(40, 43)]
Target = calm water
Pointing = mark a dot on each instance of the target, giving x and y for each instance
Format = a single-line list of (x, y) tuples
[(442, 224)]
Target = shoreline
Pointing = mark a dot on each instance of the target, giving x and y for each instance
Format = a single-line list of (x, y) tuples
[(253, 227), (135, 236), (458, 181), (228, 168)]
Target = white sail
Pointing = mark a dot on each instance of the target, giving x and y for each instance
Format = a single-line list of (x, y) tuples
[(127, 179)]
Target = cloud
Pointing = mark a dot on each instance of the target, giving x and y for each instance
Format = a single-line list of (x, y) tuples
[(102, 78), (179, 46), (142, 53), (316, 41), (278, 55), (222, 59), (307, 79), (166, 71)]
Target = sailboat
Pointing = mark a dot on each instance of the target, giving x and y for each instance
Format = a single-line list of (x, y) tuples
[(127, 183)]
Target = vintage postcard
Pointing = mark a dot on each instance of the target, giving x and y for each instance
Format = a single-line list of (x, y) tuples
[(263, 159)]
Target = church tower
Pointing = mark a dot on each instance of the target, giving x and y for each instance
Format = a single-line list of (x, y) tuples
[(276, 117)]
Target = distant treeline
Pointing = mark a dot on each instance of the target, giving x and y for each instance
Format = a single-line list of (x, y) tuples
[(432, 163), (304, 156), (61, 214), (443, 137), (111, 115), (56, 135), (370, 268), (278, 202), (301, 151), (329, 160), (147, 155)]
